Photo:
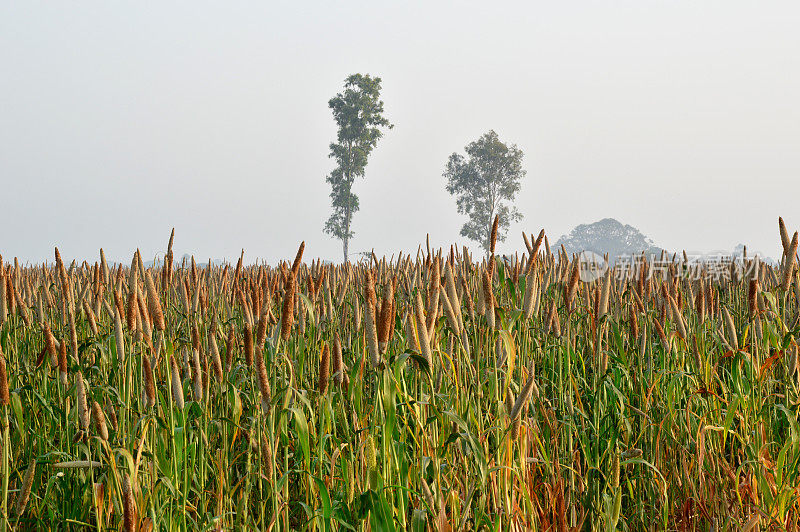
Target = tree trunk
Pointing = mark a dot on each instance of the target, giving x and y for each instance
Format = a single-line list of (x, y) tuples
[(348, 213)]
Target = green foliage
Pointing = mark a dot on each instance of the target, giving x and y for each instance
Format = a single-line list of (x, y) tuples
[(485, 184), (358, 112)]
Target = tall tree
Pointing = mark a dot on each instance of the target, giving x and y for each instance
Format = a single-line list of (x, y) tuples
[(485, 184), (358, 112)]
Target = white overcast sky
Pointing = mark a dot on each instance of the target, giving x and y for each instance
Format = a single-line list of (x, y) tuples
[(121, 120)]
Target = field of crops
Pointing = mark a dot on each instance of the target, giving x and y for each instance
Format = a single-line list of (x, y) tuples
[(430, 392)]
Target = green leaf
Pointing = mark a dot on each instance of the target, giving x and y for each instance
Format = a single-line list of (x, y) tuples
[(301, 425), (327, 511)]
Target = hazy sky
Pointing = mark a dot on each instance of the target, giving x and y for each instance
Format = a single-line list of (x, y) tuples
[(121, 120)]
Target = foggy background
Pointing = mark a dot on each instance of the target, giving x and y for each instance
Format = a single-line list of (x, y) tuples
[(120, 121)]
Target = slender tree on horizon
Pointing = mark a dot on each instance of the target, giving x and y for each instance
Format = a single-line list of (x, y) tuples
[(358, 112)]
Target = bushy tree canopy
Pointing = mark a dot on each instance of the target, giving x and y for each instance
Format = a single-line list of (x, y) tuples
[(485, 183)]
